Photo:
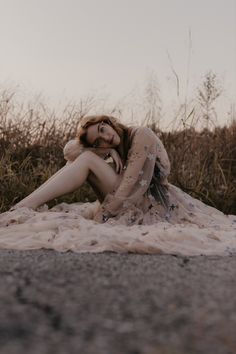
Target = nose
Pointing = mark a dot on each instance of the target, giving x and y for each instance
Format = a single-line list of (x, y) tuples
[(106, 137)]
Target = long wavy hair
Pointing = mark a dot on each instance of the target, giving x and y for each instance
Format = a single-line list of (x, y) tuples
[(121, 129)]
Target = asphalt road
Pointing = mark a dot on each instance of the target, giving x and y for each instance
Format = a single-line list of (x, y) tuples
[(111, 303)]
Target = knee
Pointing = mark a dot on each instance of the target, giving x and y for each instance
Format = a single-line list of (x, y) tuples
[(86, 156)]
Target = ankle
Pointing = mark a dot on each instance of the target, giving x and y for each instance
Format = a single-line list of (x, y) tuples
[(22, 205)]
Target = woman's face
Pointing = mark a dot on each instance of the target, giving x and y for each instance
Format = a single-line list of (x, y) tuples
[(103, 135)]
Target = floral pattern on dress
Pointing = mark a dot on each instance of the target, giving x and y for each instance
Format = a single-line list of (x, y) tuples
[(142, 159)]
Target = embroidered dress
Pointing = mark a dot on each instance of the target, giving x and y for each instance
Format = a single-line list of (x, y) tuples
[(148, 214), (145, 175)]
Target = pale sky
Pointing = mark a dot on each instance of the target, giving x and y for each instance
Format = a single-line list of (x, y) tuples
[(69, 48)]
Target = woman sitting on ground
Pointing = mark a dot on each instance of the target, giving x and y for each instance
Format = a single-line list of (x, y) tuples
[(134, 188)]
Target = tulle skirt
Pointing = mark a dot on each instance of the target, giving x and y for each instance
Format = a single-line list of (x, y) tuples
[(186, 227)]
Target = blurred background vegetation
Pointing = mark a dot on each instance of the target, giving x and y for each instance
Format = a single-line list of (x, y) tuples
[(203, 160)]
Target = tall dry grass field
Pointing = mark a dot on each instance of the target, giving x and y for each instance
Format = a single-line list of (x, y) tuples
[(32, 140)]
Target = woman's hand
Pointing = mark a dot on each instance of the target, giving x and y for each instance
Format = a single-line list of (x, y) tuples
[(101, 218), (98, 217), (117, 160)]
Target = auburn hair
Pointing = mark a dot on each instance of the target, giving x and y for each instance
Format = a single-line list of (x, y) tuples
[(121, 129)]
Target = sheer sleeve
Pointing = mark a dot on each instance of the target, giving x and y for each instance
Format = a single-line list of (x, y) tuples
[(138, 174), (162, 162)]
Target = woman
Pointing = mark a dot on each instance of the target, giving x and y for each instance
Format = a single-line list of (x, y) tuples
[(137, 180), (134, 188), (132, 191)]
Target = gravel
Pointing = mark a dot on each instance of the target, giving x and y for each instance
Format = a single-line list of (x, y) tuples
[(108, 303)]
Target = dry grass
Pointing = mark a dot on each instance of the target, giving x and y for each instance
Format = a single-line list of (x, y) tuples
[(31, 143), (204, 164)]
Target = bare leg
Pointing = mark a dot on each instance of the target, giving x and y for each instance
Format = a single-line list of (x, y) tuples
[(99, 187), (53, 176), (71, 177)]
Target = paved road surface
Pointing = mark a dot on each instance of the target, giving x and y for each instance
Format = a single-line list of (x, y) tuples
[(111, 303)]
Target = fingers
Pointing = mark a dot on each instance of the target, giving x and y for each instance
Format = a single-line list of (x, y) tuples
[(118, 164), (117, 160), (121, 166)]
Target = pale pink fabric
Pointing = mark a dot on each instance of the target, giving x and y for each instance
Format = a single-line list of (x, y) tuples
[(146, 151), (141, 222)]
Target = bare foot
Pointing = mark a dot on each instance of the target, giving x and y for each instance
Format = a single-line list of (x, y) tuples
[(14, 207)]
